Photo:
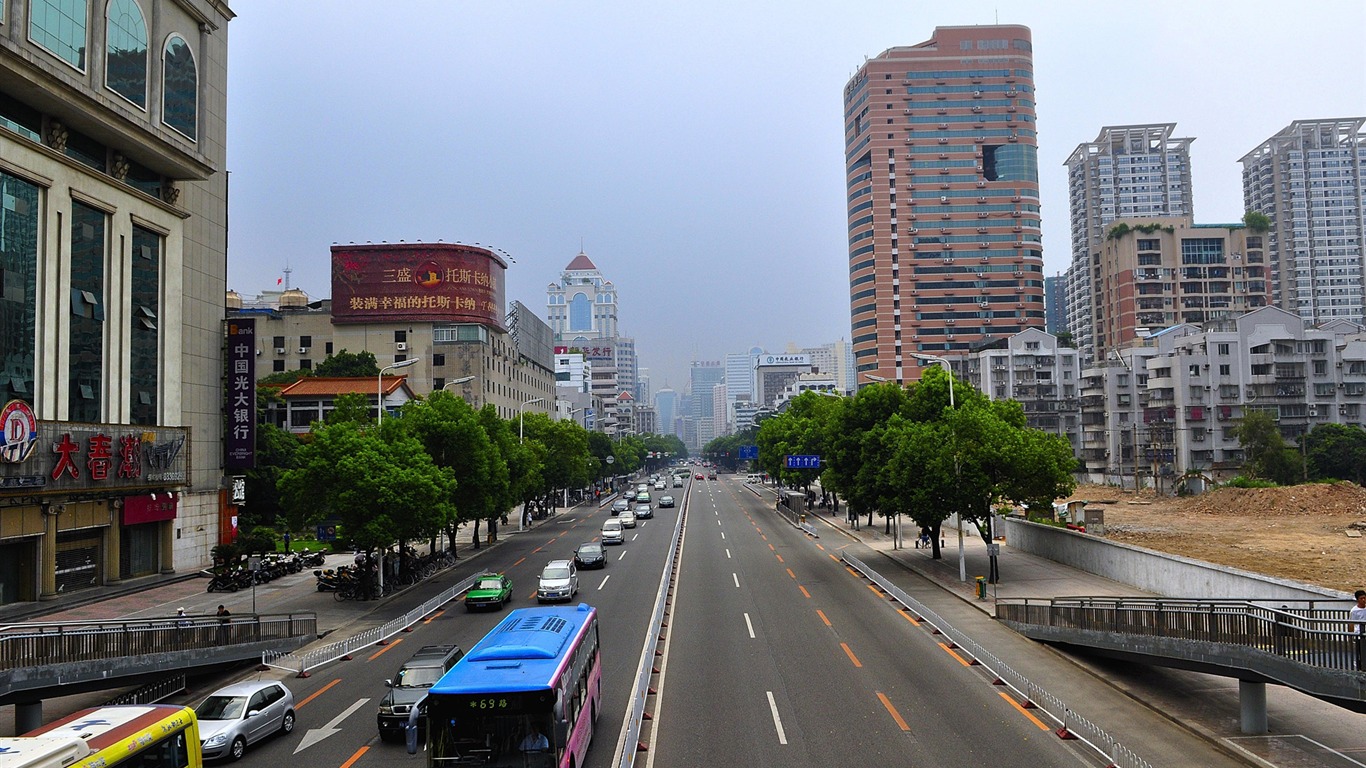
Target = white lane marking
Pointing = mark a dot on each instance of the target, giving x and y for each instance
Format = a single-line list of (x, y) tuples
[(777, 721), (604, 580), (749, 624), (622, 555), (723, 534), (737, 579), (316, 735), (727, 553), (718, 521)]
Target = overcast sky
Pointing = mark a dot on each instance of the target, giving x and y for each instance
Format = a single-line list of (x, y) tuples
[(694, 149)]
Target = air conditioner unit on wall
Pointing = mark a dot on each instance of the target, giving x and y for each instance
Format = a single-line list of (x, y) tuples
[(401, 346), (303, 350), (279, 350)]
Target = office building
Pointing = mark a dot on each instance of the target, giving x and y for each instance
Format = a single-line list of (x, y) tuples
[(1055, 304), (942, 186), (583, 305), (703, 375), (1129, 171), (113, 210), (1310, 180), (666, 408)]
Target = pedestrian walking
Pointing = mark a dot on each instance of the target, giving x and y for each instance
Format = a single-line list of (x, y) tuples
[(1358, 627), (224, 619)]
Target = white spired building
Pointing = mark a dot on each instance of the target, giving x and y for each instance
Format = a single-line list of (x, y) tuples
[(582, 305)]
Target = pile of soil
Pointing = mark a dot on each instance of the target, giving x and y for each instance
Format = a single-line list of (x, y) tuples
[(1299, 532)]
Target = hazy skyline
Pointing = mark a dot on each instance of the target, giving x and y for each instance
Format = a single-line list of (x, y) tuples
[(695, 150)]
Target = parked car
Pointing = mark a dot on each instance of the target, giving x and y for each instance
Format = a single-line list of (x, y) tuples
[(628, 519), (410, 684), (241, 714), (620, 505), (612, 532), (559, 581), (590, 554), (666, 501), (489, 590), (643, 512)]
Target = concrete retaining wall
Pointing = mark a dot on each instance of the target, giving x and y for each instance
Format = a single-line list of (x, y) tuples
[(1151, 571)]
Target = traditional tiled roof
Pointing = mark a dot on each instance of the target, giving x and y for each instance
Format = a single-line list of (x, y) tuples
[(581, 262)]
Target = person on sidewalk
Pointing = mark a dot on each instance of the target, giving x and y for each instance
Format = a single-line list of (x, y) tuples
[(224, 619), (1358, 627)]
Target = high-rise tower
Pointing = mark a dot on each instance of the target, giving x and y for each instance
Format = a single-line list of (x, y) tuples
[(1129, 171), (1308, 179), (942, 185)]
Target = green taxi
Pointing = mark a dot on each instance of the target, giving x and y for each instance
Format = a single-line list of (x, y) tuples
[(490, 590)]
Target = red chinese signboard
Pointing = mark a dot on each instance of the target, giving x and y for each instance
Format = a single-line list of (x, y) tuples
[(419, 281)]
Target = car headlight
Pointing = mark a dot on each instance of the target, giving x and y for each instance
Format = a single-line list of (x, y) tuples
[(217, 741), (385, 709)]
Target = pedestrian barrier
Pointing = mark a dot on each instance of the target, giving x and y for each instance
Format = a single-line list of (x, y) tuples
[(303, 662), (1070, 725)]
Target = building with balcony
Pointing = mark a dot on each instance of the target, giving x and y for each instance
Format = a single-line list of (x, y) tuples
[(1032, 368)]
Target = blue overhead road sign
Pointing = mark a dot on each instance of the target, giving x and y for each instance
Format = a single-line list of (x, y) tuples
[(803, 462)]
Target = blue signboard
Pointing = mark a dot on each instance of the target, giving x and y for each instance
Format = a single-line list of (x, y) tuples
[(803, 462), (749, 452)]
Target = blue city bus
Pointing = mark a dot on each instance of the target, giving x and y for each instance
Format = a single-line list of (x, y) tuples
[(525, 696)]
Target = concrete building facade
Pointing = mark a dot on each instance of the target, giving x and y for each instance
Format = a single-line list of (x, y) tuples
[(1031, 367), (942, 183)]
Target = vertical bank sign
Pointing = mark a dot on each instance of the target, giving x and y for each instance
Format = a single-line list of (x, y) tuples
[(240, 441)]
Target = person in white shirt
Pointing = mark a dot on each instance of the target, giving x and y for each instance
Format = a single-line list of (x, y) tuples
[(1358, 627), (534, 741)]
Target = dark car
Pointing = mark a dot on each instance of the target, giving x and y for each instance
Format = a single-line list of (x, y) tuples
[(489, 590), (410, 684), (643, 512), (590, 555)]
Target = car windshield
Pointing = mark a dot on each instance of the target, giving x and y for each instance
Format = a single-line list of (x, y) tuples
[(418, 677), (590, 551), (489, 583), (221, 708), (611, 526), (558, 572)]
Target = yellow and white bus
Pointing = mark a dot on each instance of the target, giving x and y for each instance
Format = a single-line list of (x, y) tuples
[(148, 736)]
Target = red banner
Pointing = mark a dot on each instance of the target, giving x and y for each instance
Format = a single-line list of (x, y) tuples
[(419, 281), (149, 509)]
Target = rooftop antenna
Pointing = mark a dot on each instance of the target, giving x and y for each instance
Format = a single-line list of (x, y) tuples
[(287, 271)]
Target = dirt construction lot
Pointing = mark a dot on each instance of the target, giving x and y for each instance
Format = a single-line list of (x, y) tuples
[(1300, 532)]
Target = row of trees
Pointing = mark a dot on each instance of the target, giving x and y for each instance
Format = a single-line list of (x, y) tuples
[(437, 465), (905, 451), (1327, 452)]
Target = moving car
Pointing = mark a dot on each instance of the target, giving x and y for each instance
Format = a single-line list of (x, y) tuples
[(559, 581), (590, 555), (643, 512), (612, 532), (489, 590), (666, 501), (678, 482), (643, 497), (628, 519), (410, 684), (659, 485), (243, 713), (698, 476), (711, 475), (620, 505)]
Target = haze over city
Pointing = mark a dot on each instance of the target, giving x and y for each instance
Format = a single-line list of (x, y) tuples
[(695, 151)]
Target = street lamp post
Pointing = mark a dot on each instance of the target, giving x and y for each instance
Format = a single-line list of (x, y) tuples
[(379, 386), (521, 517), (462, 380), (958, 517)]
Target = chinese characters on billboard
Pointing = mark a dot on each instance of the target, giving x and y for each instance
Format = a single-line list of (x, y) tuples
[(72, 457), (240, 448), (435, 282)]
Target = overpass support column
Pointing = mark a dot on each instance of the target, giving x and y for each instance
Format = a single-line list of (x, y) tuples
[(1252, 702), (28, 716)]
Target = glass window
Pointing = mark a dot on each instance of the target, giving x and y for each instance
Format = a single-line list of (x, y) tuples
[(180, 101), (580, 313), (126, 51), (59, 26), (88, 227), (18, 286), (145, 339)]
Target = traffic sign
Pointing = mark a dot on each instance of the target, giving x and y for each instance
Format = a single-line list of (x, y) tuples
[(803, 462), (749, 452)]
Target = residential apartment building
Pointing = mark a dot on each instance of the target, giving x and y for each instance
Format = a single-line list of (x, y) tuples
[(942, 186), (113, 203), (1156, 272), (1310, 180), (1032, 368), (1129, 171)]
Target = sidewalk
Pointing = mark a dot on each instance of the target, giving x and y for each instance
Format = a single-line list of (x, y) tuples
[(1304, 731)]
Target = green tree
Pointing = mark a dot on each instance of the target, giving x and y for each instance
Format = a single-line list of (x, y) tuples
[(565, 444), (1335, 452), (276, 452), (348, 364), (1263, 446), (523, 471), (353, 407), (1257, 222), (453, 436), (855, 452)]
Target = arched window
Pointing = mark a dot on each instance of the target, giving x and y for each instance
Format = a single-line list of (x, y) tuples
[(125, 55), (180, 87), (59, 26), (580, 313)]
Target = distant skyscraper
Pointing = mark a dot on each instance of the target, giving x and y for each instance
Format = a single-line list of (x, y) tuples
[(1128, 171), (666, 405), (1055, 303), (1308, 179), (942, 183), (703, 375)]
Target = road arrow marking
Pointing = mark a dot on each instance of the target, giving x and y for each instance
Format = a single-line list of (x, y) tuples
[(316, 735)]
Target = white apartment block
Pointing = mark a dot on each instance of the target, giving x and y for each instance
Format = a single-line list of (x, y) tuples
[(1030, 367)]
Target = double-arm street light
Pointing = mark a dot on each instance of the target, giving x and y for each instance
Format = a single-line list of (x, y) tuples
[(379, 386), (958, 517)]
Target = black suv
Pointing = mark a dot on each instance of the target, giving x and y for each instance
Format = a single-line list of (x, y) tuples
[(410, 684)]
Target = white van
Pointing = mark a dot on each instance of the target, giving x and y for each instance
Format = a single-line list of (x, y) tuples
[(754, 479), (613, 532)]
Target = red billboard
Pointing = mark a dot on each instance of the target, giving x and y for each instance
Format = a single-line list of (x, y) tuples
[(432, 282)]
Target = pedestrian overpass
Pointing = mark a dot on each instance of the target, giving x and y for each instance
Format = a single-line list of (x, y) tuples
[(1302, 644), (48, 659)]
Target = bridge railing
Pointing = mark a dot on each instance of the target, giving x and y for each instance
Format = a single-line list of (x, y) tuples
[(1312, 632), (26, 645)]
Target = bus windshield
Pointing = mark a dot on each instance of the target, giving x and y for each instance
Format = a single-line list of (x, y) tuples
[(496, 740)]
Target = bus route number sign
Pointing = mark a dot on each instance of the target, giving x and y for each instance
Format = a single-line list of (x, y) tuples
[(488, 702)]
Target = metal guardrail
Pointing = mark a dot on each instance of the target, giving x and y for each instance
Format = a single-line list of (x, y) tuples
[(1298, 631), (151, 693), (1070, 724), (28, 645), (629, 745), (303, 662)]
